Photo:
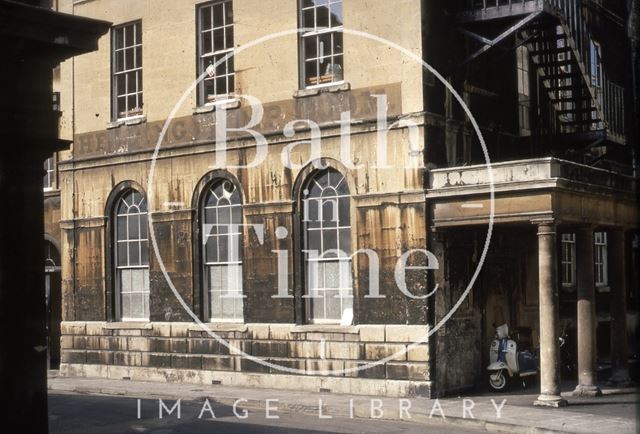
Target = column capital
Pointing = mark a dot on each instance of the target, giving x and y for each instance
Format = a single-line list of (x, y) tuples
[(545, 221), (546, 226)]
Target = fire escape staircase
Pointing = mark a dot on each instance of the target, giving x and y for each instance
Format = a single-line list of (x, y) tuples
[(567, 60)]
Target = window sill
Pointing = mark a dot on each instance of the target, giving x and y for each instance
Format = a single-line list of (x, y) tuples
[(228, 104), (133, 325), (219, 327), (316, 90), (133, 120), (50, 191), (325, 328), (603, 288)]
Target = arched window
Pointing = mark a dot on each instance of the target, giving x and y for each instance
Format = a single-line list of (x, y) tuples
[(221, 219), (327, 248), (51, 258), (131, 257)]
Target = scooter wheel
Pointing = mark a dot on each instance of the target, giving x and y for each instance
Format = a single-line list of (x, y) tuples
[(498, 380)]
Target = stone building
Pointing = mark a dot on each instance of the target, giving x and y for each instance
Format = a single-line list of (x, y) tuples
[(222, 287)]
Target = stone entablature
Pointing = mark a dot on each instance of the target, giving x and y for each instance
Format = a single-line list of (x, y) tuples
[(525, 190), (526, 174), (166, 351)]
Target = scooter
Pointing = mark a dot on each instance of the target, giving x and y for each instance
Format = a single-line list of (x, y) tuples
[(506, 362)]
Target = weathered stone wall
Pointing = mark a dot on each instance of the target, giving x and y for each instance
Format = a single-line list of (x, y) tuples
[(175, 349)]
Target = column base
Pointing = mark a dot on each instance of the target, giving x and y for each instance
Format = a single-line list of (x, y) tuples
[(620, 379), (587, 390), (554, 401)]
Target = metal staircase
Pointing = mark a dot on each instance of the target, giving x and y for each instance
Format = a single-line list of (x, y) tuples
[(567, 59)]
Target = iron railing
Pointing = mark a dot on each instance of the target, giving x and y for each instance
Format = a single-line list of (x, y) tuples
[(607, 96)]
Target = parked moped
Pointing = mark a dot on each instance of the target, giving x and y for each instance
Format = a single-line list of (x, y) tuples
[(506, 362)]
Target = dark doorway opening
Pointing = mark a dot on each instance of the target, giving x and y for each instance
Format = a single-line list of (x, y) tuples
[(53, 291)]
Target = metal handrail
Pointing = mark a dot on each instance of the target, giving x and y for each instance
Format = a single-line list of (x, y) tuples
[(608, 97)]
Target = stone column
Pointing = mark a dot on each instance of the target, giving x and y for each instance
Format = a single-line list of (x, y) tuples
[(586, 315), (617, 253), (549, 316)]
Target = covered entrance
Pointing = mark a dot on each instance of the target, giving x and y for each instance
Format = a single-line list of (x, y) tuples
[(560, 229)]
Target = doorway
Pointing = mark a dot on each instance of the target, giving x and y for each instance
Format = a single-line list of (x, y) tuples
[(53, 293)]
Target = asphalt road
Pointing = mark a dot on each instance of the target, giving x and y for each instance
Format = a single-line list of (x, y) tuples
[(82, 414)]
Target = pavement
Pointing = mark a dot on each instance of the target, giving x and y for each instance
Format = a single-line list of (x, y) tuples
[(513, 412)]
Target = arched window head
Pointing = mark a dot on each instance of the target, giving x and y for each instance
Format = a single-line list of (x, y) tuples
[(131, 256), (221, 219), (51, 258), (327, 248)]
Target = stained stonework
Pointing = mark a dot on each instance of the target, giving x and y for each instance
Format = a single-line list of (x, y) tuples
[(181, 347)]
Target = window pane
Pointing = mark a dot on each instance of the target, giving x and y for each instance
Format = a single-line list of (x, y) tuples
[(126, 305), (309, 19), (236, 214), (205, 18), (229, 37), (121, 84), (138, 62), (311, 72), (134, 227), (344, 211), (337, 43), (118, 37), (132, 103), (322, 17), (346, 279), (137, 280), (311, 210), (345, 240), (137, 306), (134, 253), (334, 308), (228, 8), (332, 275), (119, 61), (330, 242), (324, 45), (336, 68), (310, 47), (215, 304), (121, 229), (218, 39), (231, 84), (128, 35), (211, 250), (221, 86), (317, 308), (313, 241), (122, 254), (330, 212), (143, 226), (146, 305), (138, 30), (207, 45), (218, 15), (336, 14), (128, 58), (223, 254), (125, 280), (224, 215), (145, 279), (221, 69), (121, 106)]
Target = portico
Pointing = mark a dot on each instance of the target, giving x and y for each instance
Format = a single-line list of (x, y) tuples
[(582, 217)]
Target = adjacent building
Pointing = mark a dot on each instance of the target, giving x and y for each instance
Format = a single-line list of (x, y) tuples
[(229, 252)]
